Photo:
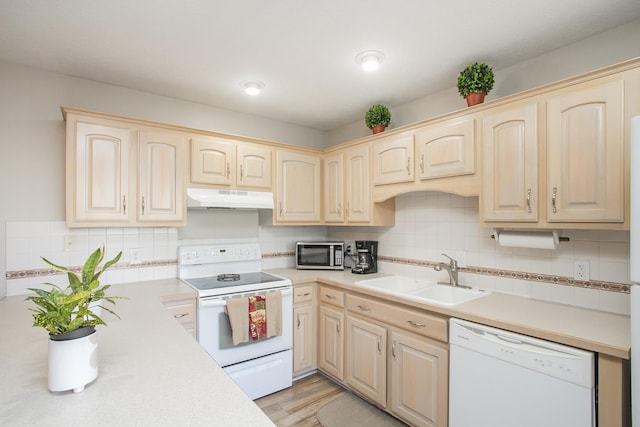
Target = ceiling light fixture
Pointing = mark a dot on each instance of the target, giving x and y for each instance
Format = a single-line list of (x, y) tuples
[(370, 60), (252, 88)]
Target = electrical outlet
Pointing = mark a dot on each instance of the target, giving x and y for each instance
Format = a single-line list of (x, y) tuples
[(68, 243), (581, 270), (134, 256)]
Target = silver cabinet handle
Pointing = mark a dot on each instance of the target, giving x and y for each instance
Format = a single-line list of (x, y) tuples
[(416, 324), (329, 296), (408, 165), (280, 208), (379, 347), (298, 316), (393, 349), (303, 295), (124, 204), (347, 209), (241, 172), (180, 316), (339, 208), (364, 308), (553, 199), (338, 327), (143, 205), (422, 163), (228, 171), (529, 200)]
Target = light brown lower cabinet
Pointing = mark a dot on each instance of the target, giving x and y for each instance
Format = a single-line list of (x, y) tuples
[(304, 330), (366, 359), (331, 342), (419, 372), (184, 310)]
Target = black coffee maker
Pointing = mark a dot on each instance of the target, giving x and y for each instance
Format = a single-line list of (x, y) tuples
[(366, 258)]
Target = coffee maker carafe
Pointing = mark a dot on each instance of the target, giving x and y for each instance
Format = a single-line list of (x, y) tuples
[(366, 258)]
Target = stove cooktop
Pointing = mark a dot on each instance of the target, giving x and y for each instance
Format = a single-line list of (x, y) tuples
[(226, 284)]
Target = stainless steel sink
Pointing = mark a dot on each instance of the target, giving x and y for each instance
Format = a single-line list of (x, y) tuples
[(446, 295), (422, 290)]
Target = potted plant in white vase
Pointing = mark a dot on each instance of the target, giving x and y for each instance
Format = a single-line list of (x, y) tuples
[(70, 316)]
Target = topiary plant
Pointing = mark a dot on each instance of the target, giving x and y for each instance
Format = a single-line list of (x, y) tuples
[(377, 115), (475, 78)]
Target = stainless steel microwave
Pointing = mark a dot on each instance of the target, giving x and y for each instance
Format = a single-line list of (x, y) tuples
[(320, 255)]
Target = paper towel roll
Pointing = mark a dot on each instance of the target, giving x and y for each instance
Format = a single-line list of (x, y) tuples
[(528, 239)]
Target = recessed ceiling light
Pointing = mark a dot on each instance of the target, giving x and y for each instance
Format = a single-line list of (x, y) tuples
[(252, 88), (370, 60)]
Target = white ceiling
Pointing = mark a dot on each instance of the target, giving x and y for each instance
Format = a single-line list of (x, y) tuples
[(303, 50)]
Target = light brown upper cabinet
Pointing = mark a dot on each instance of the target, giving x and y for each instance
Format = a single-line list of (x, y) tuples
[(585, 153), (297, 196), (119, 174), (333, 188), (224, 162), (347, 190), (393, 159), (510, 163), (446, 149)]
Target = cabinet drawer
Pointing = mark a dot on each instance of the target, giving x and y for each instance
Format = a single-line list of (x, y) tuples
[(184, 313), (303, 294), (332, 296), (429, 325)]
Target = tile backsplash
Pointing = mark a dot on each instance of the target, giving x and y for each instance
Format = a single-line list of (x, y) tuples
[(427, 225)]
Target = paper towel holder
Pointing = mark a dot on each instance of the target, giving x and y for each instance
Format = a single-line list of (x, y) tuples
[(561, 239)]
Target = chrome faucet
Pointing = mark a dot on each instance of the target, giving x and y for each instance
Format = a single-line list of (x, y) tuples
[(452, 269)]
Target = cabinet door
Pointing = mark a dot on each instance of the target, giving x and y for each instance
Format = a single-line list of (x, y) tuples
[(98, 173), (334, 188), (446, 149), (585, 155), (419, 376), (298, 187), (358, 189), (331, 350), (254, 167), (393, 160), (366, 359), (161, 177), (303, 339), (510, 164), (212, 160)]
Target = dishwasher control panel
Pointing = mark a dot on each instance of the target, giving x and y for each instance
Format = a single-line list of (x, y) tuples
[(560, 361)]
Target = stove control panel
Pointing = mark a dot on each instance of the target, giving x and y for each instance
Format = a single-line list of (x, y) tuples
[(224, 253)]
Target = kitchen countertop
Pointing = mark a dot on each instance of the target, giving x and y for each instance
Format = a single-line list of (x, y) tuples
[(592, 330), (151, 371)]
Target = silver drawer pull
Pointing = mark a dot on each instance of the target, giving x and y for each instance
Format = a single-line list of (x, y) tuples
[(364, 308), (329, 296), (180, 316), (529, 200), (304, 295), (553, 199), (416, 324)]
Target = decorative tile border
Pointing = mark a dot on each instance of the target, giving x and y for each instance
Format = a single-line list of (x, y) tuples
[(21, 274), (493, 272), (520, 275)]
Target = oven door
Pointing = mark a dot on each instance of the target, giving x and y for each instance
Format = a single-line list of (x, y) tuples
[(214, 330)]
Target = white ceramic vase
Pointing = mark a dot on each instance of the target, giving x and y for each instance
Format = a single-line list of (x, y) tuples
[(73, 363)]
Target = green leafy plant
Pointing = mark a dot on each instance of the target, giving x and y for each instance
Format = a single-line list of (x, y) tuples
[(377, 115), (475, 78), (65, 310)]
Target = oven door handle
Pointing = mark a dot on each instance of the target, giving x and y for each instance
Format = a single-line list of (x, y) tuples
[(217, 302)]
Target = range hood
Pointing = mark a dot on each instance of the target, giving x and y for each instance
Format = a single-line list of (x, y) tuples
[(229, 199)]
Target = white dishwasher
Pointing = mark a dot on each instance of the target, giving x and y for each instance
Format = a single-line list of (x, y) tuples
[(503, 379)]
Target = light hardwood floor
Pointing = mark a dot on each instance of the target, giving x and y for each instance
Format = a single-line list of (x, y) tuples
[(297, 406)]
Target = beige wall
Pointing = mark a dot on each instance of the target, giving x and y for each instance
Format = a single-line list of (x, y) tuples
[(607, 48), (32, 135)]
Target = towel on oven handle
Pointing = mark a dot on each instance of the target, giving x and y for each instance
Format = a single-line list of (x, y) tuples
[(236, 310), (248, 319)]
